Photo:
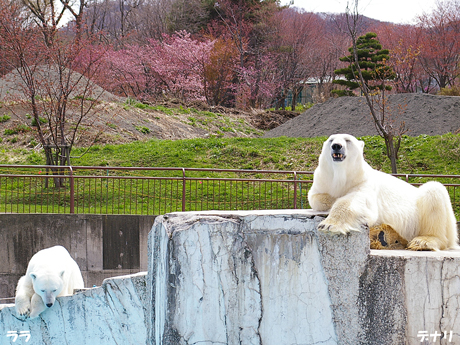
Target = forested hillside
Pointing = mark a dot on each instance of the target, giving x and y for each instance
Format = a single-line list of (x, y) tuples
[(244, 54), (247, 53)]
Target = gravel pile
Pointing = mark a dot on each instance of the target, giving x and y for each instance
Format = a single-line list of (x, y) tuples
[(422, 114)]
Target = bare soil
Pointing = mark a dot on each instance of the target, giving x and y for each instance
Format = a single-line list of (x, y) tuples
[(116, 122), (421, 114)]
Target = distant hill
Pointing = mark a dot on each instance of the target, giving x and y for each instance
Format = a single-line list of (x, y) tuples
[(422, 114)]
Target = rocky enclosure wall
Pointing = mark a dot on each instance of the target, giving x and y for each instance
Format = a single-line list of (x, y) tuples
[(111, 314), (271, 278), (259, 277)]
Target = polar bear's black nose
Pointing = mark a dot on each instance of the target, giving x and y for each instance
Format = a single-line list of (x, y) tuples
[(49, 305), (336, 147)]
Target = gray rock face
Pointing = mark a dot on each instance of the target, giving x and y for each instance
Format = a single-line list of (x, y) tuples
[(270, 278), (411, 298), (241, 278)]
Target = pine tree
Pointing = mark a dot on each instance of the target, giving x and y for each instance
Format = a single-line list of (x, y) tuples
[(372, 62)]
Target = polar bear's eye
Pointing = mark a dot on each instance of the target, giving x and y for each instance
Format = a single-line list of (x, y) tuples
[(42, 290), (54, 290)]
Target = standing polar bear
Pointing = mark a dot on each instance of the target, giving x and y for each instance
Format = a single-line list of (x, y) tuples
[(51, 273), (355, 195)]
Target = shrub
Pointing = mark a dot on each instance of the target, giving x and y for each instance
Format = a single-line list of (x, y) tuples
[(453, 91), (18, 129), (41, 119), (143, 129), (4, 118)]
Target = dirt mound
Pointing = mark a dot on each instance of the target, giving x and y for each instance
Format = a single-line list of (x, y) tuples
[(422, 114), (271, 119), (46, 78)]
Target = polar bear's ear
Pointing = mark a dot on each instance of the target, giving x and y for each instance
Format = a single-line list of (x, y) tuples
[(361, 143), (33, 276)]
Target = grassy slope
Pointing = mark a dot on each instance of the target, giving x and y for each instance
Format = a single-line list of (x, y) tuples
[(423, 154)]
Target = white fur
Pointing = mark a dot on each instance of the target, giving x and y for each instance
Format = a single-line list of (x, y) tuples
[(356, 195), (51, 273)]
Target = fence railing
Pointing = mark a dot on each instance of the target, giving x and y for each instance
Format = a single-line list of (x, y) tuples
[(133, 190), (154, 191)]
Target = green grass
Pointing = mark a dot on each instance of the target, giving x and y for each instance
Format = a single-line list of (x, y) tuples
[(228, 153), (143, 129), (419, 155)]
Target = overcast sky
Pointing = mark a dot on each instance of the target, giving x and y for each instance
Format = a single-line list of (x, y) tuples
[(395, 11)]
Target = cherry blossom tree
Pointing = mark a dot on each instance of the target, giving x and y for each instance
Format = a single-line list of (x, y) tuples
[(175, 66), (259, 82)]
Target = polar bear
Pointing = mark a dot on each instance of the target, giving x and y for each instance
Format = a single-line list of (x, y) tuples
[(51, 273), (355, 195)]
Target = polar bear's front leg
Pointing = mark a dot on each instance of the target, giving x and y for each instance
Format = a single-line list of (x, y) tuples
[(350, 213), (24, 292), (36, 306), (22, 304), (321, 201)]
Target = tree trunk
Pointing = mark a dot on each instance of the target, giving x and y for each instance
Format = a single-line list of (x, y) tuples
[(392, 153), (295, 94)]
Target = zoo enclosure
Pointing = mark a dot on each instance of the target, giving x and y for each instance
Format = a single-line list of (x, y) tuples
[(154, 191)]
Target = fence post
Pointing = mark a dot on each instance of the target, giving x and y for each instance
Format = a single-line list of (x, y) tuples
[(72, 191), (183, 190), (295, 190)]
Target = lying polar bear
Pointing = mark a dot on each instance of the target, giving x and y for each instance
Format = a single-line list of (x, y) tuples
[(51, 273), (355, 194)]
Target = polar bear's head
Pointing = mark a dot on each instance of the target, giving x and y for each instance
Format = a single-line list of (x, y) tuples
[(48, 286), (339, 148)]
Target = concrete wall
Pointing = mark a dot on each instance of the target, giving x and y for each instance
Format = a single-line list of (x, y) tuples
[(259, 277), (271, 278), (103, 245)]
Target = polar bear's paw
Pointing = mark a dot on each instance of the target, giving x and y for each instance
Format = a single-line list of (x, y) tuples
[(424, 243), (336, 228), (23, 308)]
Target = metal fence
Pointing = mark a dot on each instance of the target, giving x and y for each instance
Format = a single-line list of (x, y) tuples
[(133, 190), (154, 191)]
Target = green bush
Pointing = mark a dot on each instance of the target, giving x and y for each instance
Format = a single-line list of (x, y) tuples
[(4, 118), (453, 91), (143, 129), (18, 129), (41, 119)]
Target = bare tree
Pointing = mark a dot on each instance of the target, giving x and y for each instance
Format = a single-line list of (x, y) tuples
[(384, 117), (53, 75), (76, 7), (46, 16)]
